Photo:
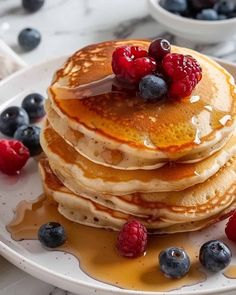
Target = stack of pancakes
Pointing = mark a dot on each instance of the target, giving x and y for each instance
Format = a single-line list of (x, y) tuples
[(112, 156)]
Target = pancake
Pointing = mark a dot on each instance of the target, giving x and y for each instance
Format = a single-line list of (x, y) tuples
[(105, 154), (85, 94), (78, 173), (85, 211)]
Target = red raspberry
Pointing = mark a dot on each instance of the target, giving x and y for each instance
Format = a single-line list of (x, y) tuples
[(132, 239), (13, 156), (230, 228), (131, 63), (185, 73)]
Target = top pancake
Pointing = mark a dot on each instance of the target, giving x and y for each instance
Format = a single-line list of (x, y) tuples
[(86, 94)]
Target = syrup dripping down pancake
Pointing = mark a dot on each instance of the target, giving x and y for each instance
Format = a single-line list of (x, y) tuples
[(86, 95), (86, 211)]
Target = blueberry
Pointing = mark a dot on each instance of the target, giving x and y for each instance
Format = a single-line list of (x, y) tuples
[(152, 87), (224, 7), (29, 136), (207, 14), (52, 234), (201, 4), (32, 5), (215, 255), (159, 48), (29, 39), (174, 262), (34, 106), (190, 13), (174, 5), (222, 17), (232, 15), (11, 119)]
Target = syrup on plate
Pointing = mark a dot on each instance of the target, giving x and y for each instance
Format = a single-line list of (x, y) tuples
[(90, 244), (230, 272)]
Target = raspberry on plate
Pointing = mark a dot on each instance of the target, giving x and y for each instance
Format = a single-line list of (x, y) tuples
[(185, 73), (132, 239), (13, 156), (131, 63), (230, 229)]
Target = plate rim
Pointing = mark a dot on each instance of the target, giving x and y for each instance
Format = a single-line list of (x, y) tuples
[(45, 274)]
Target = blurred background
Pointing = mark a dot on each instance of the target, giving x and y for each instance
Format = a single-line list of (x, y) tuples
[(66, 25)]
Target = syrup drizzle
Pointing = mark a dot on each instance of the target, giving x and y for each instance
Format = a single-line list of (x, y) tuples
[(134, 274), (92, 96), (230, 272)]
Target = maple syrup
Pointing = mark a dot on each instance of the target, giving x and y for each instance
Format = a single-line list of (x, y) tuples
[(90, 95), (89, 244), (230, 272)]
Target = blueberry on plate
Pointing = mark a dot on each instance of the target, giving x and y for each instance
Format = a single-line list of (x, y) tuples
[(174, 262), (174, 5), (52, 235), (32, 5), (29, 39), (11, 119), (152, 88), (29, 136), (215, 255), (34, 106), (207, 14), (225, 7)]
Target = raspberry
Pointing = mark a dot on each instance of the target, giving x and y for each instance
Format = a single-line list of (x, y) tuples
[(230, 228), (13, 156), (132, 239), (185, 73), (131, 63)]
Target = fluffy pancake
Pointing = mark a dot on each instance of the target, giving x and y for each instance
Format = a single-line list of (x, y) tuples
[(85, 94), (78, 173), (105, 154), (83, 210)]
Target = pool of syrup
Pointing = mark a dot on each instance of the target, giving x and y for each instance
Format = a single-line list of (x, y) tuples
[(230, 272), (97, 254)]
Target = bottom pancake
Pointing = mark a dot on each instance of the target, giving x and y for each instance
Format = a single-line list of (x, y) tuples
[(85, 211)]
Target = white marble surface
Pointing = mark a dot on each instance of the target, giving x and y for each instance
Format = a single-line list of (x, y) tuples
[(65, 26)]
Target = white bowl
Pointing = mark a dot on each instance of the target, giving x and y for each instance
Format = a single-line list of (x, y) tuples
[(200, 31)]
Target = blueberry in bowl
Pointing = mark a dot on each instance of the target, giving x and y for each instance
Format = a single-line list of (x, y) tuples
[(208, 10), (203, 21)]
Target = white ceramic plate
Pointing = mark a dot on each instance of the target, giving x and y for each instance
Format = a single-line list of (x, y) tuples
[(54, 267)]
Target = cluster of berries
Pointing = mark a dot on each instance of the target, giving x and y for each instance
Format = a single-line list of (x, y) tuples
[(174, 262), (132, 242), (157, 72), (15, 122)]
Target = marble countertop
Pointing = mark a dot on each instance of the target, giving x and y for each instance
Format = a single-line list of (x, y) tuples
[(67, 25)]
